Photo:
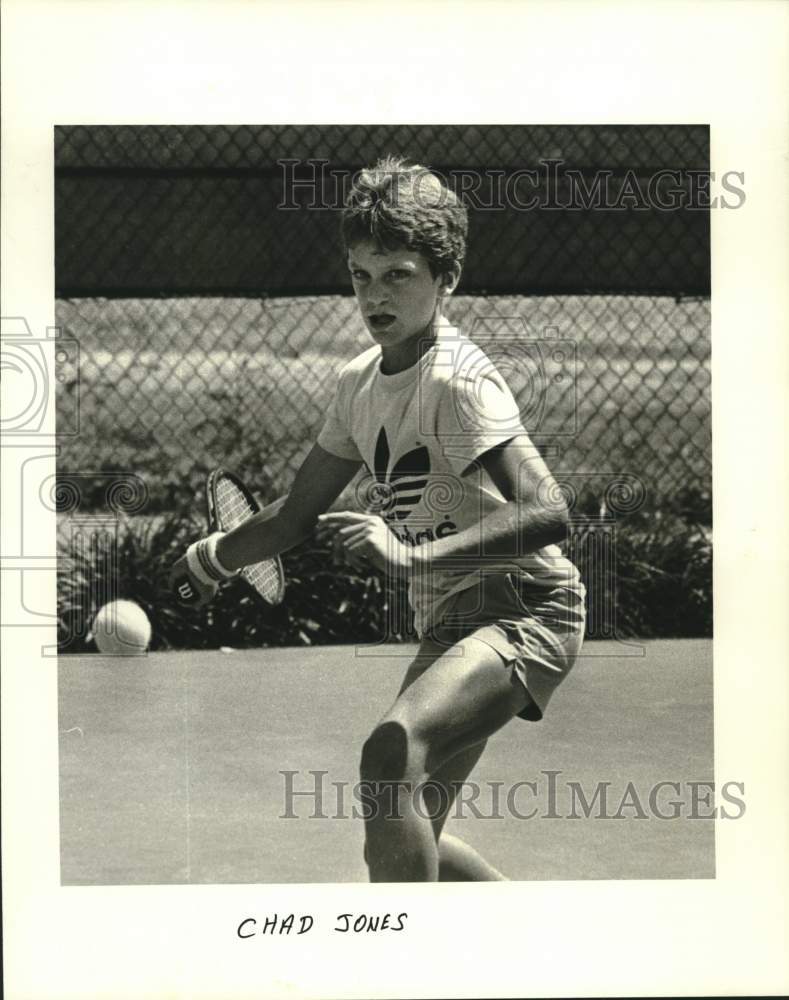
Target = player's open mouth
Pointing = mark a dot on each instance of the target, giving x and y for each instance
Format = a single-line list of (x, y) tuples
[(380, 321)]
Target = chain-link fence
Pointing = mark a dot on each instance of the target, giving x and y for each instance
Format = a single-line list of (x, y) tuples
[(198, 269)]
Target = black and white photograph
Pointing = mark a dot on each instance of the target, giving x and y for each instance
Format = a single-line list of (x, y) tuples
[(463, 371), (392, 412)]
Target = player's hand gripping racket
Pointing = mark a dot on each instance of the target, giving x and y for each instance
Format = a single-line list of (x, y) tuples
[(193, 578), (230, 503)]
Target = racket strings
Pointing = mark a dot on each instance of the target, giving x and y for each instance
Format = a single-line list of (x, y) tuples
[(233, 508), (265, 578)]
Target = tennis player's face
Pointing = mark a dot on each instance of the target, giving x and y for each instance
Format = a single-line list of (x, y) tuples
[(397, 295)]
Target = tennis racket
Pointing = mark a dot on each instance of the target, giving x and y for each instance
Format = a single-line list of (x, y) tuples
[(229, 504)]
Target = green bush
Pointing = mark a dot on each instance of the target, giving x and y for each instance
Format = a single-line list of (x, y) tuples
[(325, 603), (659, 584), (658, 579)]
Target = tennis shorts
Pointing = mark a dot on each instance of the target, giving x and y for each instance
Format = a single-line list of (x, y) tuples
[(537, 631)]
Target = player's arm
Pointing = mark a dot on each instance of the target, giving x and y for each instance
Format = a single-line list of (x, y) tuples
[(534, 515), (317, 485), (319, 481)]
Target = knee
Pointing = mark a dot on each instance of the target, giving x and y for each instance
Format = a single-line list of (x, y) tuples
[(385, 754)]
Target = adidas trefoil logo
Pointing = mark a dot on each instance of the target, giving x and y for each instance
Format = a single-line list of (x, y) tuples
[(404, 482)]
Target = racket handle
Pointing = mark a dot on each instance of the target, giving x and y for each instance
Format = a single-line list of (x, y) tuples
[(185, 591)]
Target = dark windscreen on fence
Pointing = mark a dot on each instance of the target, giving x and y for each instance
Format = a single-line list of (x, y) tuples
[(253, 210)]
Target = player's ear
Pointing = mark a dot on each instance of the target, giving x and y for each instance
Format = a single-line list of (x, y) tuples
[(449, 280)]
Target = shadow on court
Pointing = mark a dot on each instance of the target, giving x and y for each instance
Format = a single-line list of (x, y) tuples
[(171, 767)]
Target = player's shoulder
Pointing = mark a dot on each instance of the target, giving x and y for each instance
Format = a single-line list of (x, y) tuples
[(360, 365), (460, 360)]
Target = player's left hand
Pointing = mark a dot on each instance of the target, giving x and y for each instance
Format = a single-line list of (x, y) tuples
[(367, 537)]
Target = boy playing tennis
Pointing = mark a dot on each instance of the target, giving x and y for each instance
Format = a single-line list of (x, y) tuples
[(467, 511)]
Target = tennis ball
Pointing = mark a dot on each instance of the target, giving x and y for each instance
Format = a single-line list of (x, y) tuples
[(121, 628)]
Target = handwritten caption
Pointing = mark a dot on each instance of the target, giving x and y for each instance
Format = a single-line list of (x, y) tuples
[(275, 925)]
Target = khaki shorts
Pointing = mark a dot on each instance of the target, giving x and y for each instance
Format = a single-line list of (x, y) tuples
[(537, 631)]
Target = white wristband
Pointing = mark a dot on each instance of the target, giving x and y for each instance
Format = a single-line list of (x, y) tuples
[(203, 561)]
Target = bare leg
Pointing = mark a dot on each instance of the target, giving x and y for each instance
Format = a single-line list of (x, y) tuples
[(457, 860), (455, 704)]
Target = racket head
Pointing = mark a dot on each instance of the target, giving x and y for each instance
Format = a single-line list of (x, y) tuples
[(229, 503)]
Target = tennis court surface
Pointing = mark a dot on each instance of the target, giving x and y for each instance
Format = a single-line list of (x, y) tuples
[(171, 767)]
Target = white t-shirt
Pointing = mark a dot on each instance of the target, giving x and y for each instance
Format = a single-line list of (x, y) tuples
[(419, 433)]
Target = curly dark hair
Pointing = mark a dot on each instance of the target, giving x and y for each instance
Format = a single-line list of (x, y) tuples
[(402, 204)]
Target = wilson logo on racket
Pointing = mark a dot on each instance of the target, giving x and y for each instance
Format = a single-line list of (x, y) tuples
[(404, 482), (186, 592)]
